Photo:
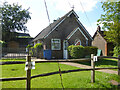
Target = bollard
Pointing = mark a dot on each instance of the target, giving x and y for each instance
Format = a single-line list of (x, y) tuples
[(92, 71), (28, 73)]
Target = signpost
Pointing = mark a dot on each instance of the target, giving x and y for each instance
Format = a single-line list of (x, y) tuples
[(28, 66)]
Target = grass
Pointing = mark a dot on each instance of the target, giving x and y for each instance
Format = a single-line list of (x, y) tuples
[(105, 62), (70, 80), (7, 60)]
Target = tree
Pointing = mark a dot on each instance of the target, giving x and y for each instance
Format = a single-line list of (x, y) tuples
[(111, 22), (14, 19)]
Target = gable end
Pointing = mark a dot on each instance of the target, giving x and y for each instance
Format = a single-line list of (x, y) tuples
[(72, 33)]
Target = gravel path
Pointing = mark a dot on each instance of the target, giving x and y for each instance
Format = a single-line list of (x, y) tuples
[(85, 66)]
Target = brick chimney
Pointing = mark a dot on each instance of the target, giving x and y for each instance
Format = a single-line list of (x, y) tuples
[(99, 28)]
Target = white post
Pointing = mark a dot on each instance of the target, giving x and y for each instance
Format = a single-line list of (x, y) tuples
[(93, 67), (0, 49)]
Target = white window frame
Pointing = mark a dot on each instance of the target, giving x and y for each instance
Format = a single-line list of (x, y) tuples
[(57, 43), (78, 40)]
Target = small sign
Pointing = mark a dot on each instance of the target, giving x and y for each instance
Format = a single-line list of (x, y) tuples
[(95, 58), (30, 65)]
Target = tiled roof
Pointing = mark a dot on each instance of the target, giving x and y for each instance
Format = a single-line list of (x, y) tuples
[(45, 31)]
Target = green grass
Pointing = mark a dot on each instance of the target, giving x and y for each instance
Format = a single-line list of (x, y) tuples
[(105, 62), (7, 60), (70, 80)]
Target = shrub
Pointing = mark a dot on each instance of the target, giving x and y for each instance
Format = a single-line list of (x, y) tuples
[(116, 51), (90, 50), (38, 47), (80, 51), (29, 46), (76, 51)]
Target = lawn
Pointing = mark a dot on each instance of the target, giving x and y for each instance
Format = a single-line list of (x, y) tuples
[(7, 60), (105, 62), (70, 80)]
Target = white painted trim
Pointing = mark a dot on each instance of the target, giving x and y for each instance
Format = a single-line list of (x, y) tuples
[(80, 31), (65, 52), (77, 42), (53, 29), (59, 24), (74, 14), (52, 42), (84, 28)]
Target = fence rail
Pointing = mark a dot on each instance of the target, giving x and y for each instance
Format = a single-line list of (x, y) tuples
[(14, 53), (45, 61), (52, 73), (92, 69)]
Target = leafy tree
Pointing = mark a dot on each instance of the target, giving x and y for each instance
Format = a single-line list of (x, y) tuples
[(111, 22), (14, 19)]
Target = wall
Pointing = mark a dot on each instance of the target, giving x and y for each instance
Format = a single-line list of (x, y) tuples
[(99, 42), (13, 44), (61, 32)]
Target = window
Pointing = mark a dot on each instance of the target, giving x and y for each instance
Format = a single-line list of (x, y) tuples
[(77, 42), (55, 44)]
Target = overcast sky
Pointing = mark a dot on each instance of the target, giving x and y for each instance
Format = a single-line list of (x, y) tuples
[(58, 8)]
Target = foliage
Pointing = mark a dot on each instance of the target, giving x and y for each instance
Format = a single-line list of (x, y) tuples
[(76, 51), (90, 50), (111, 22), (80, 51), (24, 37), (116, 51), (29, 46), (14, 19), (3, 43), (38, 46)]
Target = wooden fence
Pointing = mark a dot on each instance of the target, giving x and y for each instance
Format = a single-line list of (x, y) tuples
[(14, 52), (29, 77)]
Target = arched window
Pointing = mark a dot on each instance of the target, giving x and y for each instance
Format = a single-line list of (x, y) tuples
[(77, 42)]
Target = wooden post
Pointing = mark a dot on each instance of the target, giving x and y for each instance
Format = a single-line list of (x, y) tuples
[(93, 71), (119, 71), (28, 73)]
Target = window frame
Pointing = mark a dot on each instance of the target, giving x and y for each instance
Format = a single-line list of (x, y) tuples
[(52, 42)]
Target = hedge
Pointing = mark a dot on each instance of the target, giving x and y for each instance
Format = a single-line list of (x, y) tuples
[(81, 52)]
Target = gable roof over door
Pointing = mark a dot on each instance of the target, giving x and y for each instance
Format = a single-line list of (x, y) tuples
[(45, 32)]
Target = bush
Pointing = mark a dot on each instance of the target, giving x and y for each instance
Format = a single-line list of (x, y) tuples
[(90, 50), (38, 47), (29, 46), (116, 51), (80, 51), (76, 51)]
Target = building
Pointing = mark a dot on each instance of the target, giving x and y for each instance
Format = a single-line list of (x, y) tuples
[(65, 31), (102, 43)]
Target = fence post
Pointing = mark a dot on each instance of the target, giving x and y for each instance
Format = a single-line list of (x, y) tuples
[(92, 71), (28, 73), (119, 70)]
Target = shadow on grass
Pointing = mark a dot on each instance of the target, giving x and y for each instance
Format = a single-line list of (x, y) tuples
[(103, 61)]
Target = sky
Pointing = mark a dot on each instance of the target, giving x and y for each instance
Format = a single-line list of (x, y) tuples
[(89, 11)]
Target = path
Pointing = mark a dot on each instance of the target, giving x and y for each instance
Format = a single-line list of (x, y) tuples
[(86, 66), (82, 66)]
